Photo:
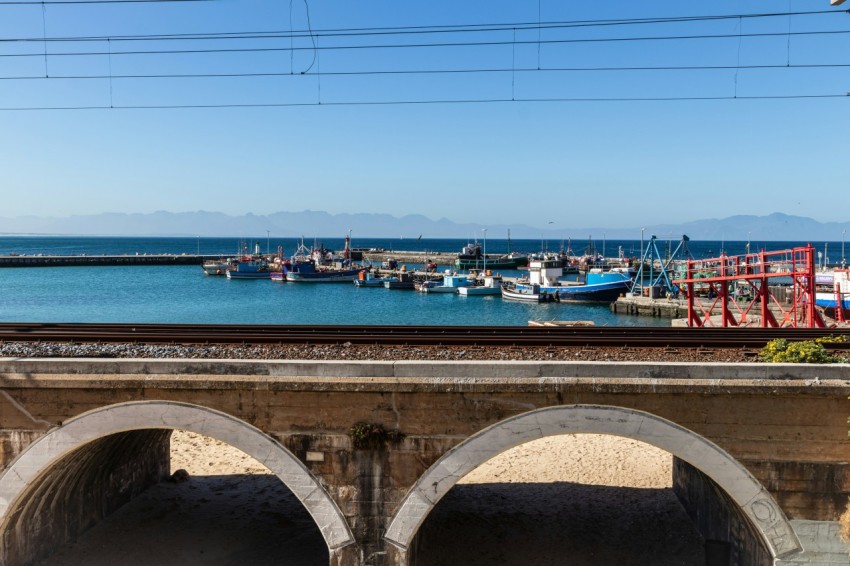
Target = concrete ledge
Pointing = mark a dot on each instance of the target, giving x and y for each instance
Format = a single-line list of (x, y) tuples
[(270, 374)]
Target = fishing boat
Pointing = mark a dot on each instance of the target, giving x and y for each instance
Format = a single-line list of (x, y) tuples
[(451, 284), (490, 285), (525, 293), (472, 258), (368, 279), (309, 272), (598, 287), (832, 287), (319, 266), (216, 266), (249, 268)]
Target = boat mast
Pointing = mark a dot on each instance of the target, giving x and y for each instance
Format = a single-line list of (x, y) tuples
[(485, 250)]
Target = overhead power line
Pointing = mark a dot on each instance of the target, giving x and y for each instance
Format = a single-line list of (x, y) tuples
[(428, 102), (429, 45), (409, 30), (433, 71), (415, 32)]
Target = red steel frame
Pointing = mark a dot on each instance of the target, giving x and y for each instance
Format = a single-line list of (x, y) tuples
[(756, 271)]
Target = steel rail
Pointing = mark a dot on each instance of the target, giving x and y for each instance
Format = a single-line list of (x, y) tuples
[(496, 336)]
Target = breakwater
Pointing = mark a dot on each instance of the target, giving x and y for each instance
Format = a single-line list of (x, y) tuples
[(82, 260), (40, 260)]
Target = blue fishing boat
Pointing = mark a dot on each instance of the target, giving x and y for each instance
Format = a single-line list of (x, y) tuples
[(598, 287)]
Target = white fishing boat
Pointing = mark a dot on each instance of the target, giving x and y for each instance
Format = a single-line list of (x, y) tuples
[(216, 266), (490, 285), (526, 293), (832, 288), (451, 284)]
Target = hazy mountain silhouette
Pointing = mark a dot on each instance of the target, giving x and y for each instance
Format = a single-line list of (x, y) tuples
[(309, 223)]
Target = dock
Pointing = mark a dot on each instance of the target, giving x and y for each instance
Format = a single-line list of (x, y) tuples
[(645, 306)]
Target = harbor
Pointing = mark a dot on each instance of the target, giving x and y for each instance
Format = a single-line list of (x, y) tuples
[(144, 280)]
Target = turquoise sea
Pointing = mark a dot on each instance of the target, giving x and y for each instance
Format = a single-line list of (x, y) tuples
[(183, 294)]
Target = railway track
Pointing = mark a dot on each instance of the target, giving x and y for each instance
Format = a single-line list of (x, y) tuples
[(495, 336)]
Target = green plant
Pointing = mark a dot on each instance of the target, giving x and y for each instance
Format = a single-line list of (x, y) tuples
[(372, 436), (804, 352)]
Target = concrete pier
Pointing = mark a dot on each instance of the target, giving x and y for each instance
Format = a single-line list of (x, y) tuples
[(644, 306)]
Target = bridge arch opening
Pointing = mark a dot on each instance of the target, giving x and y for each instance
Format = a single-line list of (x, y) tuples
[(598, 499), (64, 461), (761, 513)]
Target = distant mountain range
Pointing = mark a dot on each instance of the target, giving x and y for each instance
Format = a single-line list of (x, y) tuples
[(773, 227)]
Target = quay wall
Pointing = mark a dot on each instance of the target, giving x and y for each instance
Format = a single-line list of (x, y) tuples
[(778, 429)]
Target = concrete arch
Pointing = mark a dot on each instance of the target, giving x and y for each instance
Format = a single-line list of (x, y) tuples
[(105, 421), (756, 502)]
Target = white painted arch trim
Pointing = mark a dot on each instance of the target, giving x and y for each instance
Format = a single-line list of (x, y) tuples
[(756, 502), (104, 421)]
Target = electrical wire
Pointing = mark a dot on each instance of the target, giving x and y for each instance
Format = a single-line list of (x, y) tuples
[(429, 102), (412, 30), (437, 71), (428, 45), (419, 30)]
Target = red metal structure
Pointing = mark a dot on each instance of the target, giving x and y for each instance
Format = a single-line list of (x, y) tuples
[(734, 289)]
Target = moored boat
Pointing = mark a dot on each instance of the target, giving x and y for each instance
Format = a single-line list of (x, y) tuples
[(368, 279), (306, 272), (832, 289), (216, 266), (599, 286), (249, 268), (490, 285), (525, 293), (471, 257), (320, 266), (451, 284)]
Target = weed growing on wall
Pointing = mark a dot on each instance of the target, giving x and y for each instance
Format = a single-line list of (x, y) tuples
[(372, 436), (781, 351)]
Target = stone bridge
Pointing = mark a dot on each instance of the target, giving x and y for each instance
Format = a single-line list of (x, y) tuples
[(760, 450)]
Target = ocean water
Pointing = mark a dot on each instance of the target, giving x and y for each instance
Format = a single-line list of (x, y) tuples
[(75, 245), (183, 294)]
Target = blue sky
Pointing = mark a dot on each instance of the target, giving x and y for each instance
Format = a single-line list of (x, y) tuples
[(577, 163)]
